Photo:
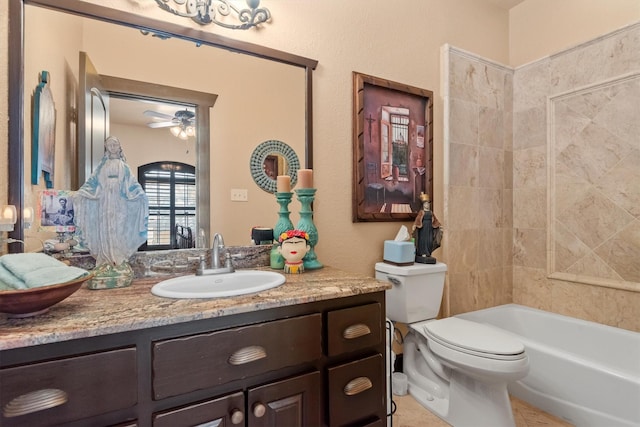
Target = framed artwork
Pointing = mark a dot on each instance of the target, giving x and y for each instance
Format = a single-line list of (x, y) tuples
[(392, 149), (57, 211)]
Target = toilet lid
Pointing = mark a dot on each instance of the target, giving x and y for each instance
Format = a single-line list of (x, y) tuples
[(473, 338)]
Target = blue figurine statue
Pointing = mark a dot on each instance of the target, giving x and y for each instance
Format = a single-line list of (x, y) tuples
[(111, 215)]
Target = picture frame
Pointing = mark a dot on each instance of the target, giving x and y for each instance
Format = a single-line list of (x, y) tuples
[(57, 211), (392, 149)]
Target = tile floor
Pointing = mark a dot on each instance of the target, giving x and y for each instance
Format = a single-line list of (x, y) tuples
[(410, 413)]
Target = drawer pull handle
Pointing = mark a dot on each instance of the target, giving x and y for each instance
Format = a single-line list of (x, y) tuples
[(357, 386), (35, 401), (247, 355), (356, 331)]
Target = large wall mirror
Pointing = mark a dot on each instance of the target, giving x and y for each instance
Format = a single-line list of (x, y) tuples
[(259, 94)]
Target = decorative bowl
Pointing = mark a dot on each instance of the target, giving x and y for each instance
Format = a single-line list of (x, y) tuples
[(34, 301)]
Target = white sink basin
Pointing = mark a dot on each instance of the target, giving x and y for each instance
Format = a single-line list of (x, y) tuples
[(218, 285)]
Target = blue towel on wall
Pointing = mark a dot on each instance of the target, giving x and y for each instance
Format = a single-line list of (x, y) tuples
[(32, 270)]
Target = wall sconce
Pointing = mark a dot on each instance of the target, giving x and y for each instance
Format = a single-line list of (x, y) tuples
[(8, 217), (27, 217)]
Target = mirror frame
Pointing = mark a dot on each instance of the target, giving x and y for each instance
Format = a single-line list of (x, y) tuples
[(16, 134), (259, 156)]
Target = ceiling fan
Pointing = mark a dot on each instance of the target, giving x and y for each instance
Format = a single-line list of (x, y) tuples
[(181, 124)]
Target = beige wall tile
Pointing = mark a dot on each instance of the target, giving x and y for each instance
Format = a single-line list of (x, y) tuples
[(531, 287), (463, 208), (491, 127), (529, 248), (491, 168), (463, 250), (466, 114), (464, 165), (530, 208)]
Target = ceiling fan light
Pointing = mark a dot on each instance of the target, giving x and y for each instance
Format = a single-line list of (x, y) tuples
[(175, 130), (183, 135), (191, 131)]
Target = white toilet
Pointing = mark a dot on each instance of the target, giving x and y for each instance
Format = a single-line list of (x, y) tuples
[(456, 368)]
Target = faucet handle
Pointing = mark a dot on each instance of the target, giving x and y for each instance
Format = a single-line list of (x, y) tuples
[(202, 266)]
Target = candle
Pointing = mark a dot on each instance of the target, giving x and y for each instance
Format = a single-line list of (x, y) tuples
[(283, 184), (305, 178)]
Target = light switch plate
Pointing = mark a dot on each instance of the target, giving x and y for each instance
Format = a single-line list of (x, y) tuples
[(239, 195)]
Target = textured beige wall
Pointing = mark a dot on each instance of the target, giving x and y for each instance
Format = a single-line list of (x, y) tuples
[(539, 28)]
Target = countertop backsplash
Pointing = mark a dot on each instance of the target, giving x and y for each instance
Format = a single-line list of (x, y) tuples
[(186, 261)]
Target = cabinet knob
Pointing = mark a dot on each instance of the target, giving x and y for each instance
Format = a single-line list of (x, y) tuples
[(35, 401), (259, 410), (237, 416)]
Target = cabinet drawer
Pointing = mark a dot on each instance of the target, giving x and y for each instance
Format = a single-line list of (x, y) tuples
[(196, 362), (68, 389), (354, 328), (224, 411), (356, 391)]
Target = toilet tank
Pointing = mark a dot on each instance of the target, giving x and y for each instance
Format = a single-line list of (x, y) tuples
[(417, 290)]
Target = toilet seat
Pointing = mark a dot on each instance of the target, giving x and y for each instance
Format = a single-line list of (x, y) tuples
[(471, 338)]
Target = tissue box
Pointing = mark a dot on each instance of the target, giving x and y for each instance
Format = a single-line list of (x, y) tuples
[(399, 253)]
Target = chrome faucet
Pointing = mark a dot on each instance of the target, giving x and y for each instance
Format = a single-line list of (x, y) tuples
[(217, 249), (217, 246)]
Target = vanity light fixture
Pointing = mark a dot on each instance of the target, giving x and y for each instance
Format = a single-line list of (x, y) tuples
[(8, 217), (216, 11)]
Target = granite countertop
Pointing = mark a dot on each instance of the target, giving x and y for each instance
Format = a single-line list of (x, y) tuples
[(89, 313)]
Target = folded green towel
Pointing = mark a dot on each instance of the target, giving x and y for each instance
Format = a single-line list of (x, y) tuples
[(8, 281), (52, 275), (32, 270)]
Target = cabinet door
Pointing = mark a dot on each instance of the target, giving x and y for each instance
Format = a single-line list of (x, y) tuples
[(293, 402), (221, 412)]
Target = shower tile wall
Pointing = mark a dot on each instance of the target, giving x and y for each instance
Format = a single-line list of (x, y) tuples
[(510, 162), (576, 167), (478, 196)]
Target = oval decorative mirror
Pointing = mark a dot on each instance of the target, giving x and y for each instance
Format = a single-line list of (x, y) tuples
[(270, 159)]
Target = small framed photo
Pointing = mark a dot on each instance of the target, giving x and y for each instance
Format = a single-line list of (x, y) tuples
[(392, 149), (57, 211)]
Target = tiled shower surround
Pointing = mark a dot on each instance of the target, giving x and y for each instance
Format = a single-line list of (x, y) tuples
[(542, 192)]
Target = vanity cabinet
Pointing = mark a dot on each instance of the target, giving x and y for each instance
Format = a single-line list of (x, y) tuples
[(314, 364)]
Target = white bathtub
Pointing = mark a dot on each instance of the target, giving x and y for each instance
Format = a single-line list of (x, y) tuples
[(583, 372)]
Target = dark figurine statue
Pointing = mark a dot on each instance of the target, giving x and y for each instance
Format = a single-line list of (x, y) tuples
[(427, 232)]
